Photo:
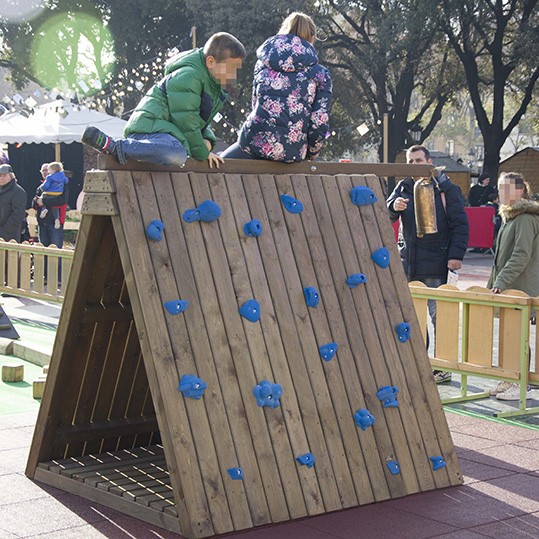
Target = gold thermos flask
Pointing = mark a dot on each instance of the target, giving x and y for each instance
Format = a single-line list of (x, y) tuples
[(425, 207)]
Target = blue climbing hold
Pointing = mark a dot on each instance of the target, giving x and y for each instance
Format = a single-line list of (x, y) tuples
[(291, 204), (356, 279), (437, 463), (176, 306), (387, 396), (207, 211), (191, 386), (381, 257), (250, 310), (154, 230), (235, 473), (253, 228), (364, 419), (327, 351), (307, 460), (362, 195), (403, 331), (393, 467), (268, 394), (312, 299)]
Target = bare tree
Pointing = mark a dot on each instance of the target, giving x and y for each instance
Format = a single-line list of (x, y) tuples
[(400, 62), (497, 42)]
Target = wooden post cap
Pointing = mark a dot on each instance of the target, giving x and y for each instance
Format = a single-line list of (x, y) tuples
[(13, 373), (38, 387), (45, 369)]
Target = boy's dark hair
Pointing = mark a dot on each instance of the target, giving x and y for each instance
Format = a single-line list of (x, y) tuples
[(223, 46), (492, 197), (419, 148)]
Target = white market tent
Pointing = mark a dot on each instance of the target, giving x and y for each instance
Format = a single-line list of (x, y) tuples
[(56, 122)]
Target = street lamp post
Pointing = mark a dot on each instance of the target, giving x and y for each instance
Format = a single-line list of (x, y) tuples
[(415, 133)]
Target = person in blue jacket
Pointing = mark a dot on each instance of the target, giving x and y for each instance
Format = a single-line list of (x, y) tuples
[(291, 98)]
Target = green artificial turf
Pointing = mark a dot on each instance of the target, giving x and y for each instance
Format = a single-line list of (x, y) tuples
[(16, 397)]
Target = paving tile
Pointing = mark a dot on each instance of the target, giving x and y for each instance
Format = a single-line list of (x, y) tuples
[(17, 438), (121, 528), (461, 534), (525, 527), (492, 430), (463, 506), (532, 444), (291, 530), (28, 419), (467, 441), (377, 520), (124, 526), (14, 460), (4, 534), (475, 471), (521, 491), (18, 488), (511, 457), (43, 515), (87, 532)]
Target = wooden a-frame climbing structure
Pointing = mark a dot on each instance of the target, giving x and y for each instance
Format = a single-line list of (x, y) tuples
[(113, 426)]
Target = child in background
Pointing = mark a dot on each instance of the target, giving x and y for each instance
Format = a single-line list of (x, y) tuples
[(52, 192), (173, 119)]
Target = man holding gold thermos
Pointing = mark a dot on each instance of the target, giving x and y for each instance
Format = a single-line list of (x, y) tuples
[(434, 228)]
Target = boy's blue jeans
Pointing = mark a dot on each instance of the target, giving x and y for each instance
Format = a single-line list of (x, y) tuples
[(157, 148)]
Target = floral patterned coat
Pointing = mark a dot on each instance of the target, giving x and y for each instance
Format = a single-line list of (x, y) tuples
[(291, 102)]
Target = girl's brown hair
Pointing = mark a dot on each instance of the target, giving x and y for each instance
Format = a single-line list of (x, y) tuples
[(519, 181), (299, 24)]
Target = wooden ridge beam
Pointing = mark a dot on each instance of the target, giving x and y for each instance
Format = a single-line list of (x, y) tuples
[(259, 166)]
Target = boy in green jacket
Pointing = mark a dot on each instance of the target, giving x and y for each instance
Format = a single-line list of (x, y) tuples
[(172, 121)]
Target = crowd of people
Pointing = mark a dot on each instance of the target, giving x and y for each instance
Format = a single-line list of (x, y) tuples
[(50, 204), (289, 122)]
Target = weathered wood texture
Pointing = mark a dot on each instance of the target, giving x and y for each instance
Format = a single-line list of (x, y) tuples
[(216, 267), (91, 382)]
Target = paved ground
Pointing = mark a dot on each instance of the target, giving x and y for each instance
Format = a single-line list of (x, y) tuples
[(500, 462)]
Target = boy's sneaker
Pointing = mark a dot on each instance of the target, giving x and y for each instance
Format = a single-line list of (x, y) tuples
[(43, 213), (98, 140), (441, 377), (57, 224), (501, 387), (513, 393)]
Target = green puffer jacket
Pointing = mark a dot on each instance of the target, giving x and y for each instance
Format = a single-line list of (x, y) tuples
[(182, 104), (516, 264)]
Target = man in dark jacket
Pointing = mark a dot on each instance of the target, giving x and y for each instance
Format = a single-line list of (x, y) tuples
[(172, 121), (12, 205), (480, 192), (428, 258)]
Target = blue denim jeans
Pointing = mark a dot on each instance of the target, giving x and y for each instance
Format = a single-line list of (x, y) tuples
[(235, 152), (157, 148), (48, 235)]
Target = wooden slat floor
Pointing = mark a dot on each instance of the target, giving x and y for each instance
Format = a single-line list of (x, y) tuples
[(139, 475)]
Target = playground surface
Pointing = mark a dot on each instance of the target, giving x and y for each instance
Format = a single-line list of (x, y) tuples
[(499, 459)]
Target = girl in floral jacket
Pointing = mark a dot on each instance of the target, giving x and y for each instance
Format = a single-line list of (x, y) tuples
[(291, 98)]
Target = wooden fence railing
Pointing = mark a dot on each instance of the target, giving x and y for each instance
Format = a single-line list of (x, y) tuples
[(482, 334), (34, 271)]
